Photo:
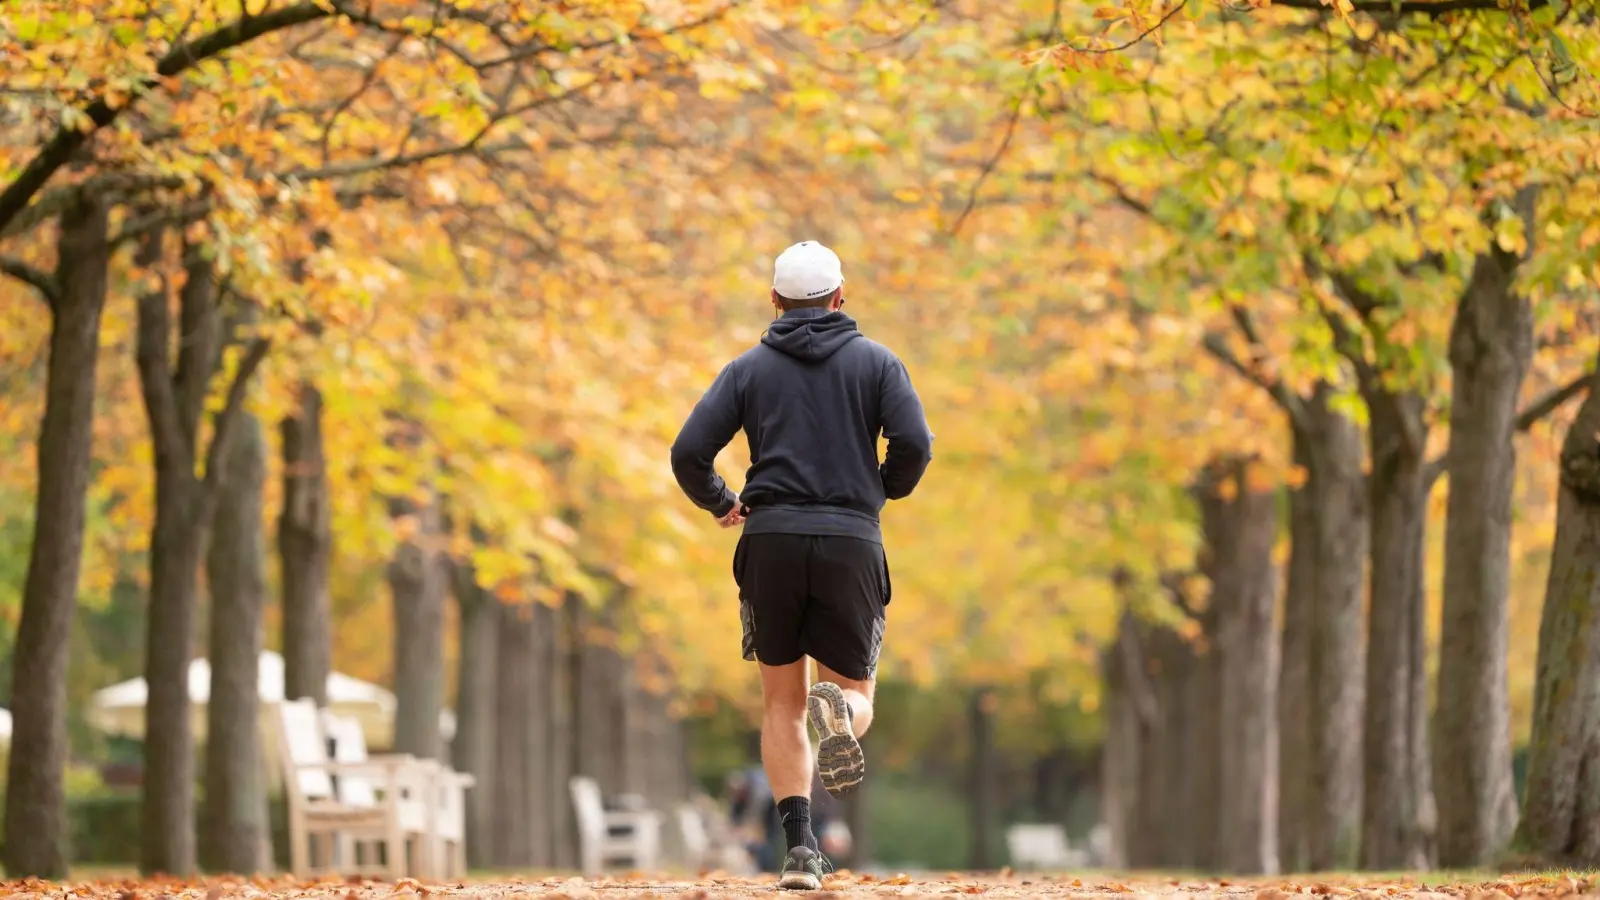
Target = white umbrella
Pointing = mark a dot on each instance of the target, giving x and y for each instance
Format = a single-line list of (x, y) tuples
[(119, 709)]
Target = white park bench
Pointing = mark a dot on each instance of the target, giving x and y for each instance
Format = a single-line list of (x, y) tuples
[(432, 805), (390, 815), (1041, 847), (367, 809), (708, 840), (607, 836)]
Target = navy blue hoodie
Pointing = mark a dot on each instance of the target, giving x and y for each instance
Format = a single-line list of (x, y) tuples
[(812, 399)]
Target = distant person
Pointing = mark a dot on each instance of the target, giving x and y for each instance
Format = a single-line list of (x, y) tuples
[(750, 811), (812, 398)]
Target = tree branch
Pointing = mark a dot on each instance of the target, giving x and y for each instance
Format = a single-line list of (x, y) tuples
[(155, 370), (43, 281), (1536, 412), (228, 417), (1144, 696), (1410, 7), (1541, 408), (72, 135)]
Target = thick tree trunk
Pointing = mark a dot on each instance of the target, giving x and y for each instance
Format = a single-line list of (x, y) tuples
[(417, 581), (1396, 800), (1119, 752), (599, 712), (236, 835), (1202, 701), (1561, 813), (35, 804), (1491, 346), (473, 750), (173, 401), (542, 751), (516, 774), (305, 547), (1337, 657), (983, 796), (1294, 676), (561, 742), (1241, 527)]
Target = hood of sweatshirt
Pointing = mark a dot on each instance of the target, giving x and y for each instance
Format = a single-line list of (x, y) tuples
[(810, 335)]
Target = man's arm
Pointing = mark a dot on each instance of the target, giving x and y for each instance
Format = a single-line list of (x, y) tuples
[(906, 427), (712, 424)]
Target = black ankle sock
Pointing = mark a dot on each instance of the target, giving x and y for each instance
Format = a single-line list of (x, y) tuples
[(795, 814)]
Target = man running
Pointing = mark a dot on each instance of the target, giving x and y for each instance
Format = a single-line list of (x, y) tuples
[(812, 398)]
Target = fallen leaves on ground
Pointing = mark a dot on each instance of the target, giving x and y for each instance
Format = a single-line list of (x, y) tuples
[(842, 885)]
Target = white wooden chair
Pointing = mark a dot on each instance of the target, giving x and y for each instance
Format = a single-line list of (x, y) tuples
[(708, 840), (317, 815), (639, 840), (412, 780), (1039, 846), (449, 849)]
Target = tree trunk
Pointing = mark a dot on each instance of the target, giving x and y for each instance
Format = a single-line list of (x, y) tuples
[(599, 714), (173, 401), (515, 772), (563, 824), (1294, 676), (1491, 346), (1337, 665), (305, 546), (1241, 527), (235, 815), (1119, 752), (541, 753), (983, 796), (417, 580), (473, 750), (1396, 800), (35, 802), (1560, 815)]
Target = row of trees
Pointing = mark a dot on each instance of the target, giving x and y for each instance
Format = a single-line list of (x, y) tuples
[(364, 242), (1365, 215)]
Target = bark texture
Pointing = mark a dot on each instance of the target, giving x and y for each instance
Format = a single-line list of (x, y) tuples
[(35, 796), (305, 548), (1397, 800), (1294, 674), (473, 749), (525, 749), (174, 400), (1240, 522), (1150, 754), (1491, 346), (1561, 811), (1336, 664), (236, 836), (417, 580)]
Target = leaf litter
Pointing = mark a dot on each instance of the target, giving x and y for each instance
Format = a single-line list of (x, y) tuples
[(842, 885)]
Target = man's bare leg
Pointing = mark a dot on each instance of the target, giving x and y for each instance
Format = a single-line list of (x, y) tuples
[(785, 746), (786, 755), (841, 710)]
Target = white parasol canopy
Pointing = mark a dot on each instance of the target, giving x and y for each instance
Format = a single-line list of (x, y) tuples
[(119, 709)]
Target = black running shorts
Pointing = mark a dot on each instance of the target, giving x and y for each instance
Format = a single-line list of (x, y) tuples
[(821, 596)]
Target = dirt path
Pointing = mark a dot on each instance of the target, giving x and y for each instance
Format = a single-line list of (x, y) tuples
[(842, 887)]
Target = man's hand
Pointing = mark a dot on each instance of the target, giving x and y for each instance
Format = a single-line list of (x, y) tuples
[(734, 517)]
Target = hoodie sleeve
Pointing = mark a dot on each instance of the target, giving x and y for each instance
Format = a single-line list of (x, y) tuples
[(906, 428), (712, 424)]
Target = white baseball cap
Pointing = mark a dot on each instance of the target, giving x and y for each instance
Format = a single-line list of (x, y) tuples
[(806, 271)]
